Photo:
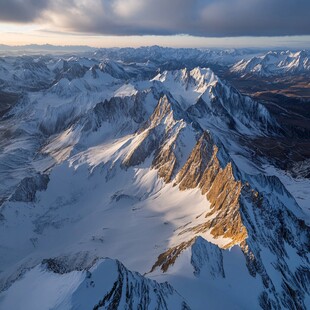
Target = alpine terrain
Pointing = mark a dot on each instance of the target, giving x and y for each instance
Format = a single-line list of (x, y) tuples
[(155, 178)]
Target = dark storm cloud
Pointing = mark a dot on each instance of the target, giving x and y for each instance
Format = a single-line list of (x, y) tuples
[(216, 18), (21, 11), (256, 17)]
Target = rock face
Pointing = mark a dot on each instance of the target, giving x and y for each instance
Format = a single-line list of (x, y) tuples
[(224, 220), (166, 159), (26, 190), (203, 170), (209, 255), (168, 258), (190, 176), (161, 134), (126, 112)]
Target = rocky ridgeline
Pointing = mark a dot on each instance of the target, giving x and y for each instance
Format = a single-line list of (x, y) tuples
[(244, 209)]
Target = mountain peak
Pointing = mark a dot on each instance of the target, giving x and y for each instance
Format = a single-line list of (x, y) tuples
[(197, 77), (274, 63)]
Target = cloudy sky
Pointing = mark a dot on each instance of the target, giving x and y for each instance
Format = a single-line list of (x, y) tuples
[(165, 22)]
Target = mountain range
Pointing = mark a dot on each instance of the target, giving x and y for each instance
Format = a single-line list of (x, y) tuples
[(143, 179)]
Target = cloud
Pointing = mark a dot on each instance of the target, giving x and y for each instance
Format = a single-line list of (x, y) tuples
[(256, 17), (21, 11), (215, 18)]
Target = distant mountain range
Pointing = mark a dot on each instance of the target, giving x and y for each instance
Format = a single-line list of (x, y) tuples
[(45, 48), (275, 63)]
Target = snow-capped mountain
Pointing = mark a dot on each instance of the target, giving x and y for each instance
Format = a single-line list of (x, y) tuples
[(273, 63), (161, 55), (104, 167), (78, 283)]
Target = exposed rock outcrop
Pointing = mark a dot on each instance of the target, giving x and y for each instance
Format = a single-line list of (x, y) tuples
[(203, 170), (160, 136), (27, 188)]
